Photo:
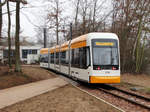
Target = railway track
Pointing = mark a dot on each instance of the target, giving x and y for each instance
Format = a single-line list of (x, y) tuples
[(130, 97)]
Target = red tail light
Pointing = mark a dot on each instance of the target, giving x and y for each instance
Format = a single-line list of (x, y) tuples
[(114, 68), (98, 68)]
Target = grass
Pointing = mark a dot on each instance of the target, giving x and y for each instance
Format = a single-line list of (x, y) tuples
[(147, 90), (128, 85)]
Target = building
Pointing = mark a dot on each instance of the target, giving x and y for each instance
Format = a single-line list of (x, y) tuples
[(25, 51)]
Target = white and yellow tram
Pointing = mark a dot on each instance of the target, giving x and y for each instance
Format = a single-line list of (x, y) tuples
[(93, 58)]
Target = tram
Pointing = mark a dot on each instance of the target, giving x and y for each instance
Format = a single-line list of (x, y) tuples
[(92, 58)]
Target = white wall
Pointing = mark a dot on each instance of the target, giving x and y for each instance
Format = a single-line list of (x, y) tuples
[(25, 47), (29, 47)]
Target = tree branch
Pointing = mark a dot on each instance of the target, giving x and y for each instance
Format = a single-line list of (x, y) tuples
[(3, 3), (22, 1)]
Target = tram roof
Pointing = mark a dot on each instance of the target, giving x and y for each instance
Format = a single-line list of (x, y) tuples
[(44, 51), (79, 41)]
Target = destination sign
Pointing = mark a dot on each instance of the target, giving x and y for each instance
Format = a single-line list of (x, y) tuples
[(104, 43)]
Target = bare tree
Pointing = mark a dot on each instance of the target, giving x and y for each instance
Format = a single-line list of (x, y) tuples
[(76, 13), (84, 6), (88, 16), (17, 40), (0, 20), (17, 44), (57, 24), (39, 35), (54, 18), (94, 13), (129, 22), (9, 39), (3, 3)]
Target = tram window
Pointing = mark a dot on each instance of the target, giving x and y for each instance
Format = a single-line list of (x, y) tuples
[(63, 54), (82, 57), (63, 57), (41, 58), (57, 58), (76, 58), (88, 57), (67, 57), (52, 58), (46, 58), (72, 59)]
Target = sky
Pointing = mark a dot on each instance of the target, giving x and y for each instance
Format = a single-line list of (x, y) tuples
[(32, 16)]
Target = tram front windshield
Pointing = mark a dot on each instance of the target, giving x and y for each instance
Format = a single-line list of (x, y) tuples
[(105, 53)]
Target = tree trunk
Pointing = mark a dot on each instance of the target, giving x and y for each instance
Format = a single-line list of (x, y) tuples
[(57, 29), (17, 42), (136, 40), (138, 47), (94, 14), (0, 20), (9, 40), (76, 17), (57, 24)]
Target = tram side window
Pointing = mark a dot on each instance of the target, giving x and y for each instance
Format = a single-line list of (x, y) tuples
[(82, 58), (72, 59), (41, 58), (57, 58), (88, 61), (76, 58), (63, 57), (52, 57), (79, 58), (67, 58), (46, 58)]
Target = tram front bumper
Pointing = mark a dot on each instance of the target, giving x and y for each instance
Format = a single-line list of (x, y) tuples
[(104, 79)]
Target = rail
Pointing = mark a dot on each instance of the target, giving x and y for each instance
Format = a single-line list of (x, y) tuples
[(126, 95)]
